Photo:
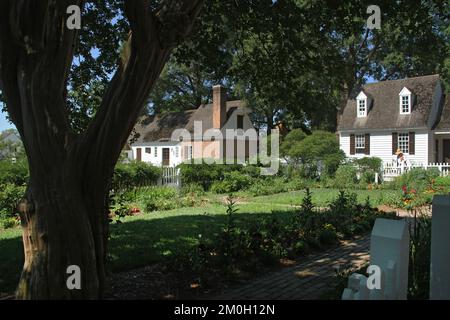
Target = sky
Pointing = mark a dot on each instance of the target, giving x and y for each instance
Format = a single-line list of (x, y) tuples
[(4, 124)]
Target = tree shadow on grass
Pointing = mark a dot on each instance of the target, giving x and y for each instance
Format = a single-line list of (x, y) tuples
[(138, 242), (141, 242)]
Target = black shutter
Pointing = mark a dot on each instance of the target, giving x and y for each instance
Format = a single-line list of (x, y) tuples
[(412, 143), (367, 144), (394, 142), (352, 144)]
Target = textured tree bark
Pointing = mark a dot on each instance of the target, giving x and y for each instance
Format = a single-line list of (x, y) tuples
[(56, 234), (63, 213)]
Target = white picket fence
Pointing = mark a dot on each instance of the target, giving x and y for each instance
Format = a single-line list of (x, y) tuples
[(391, 170), (170, 177)]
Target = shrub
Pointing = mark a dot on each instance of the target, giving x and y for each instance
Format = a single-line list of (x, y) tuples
[(192, 189), (145, 174), (328, 235), (233, 181), (319, 147), (341, 212), (14, 172), (252, 171), (274, 185), (159, 198), (416, 178), (10, 196), (442, 182), (345, 176), (8, 223), (135, 174), (205, 174), (369, 163)]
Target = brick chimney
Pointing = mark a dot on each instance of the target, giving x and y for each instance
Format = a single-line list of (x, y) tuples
[(219, 106)]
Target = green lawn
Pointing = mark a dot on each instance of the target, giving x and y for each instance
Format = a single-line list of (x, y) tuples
[(322, 197), (146, 239)]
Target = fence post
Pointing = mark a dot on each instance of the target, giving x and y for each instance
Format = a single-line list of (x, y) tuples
[(440, 248), (389, 251)]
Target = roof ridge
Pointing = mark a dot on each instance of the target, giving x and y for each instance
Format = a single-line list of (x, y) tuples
[(403, 79)]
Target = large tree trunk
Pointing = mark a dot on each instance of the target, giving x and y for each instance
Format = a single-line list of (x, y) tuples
[(58, 233), (63, 214)]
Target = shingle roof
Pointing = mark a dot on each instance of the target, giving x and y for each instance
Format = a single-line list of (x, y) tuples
[(160, 128), (444, 122), (384, 112)]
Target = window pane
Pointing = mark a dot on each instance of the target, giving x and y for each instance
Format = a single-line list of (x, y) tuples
[(405, 104), (360, 143), (361, 108), (403, 142)]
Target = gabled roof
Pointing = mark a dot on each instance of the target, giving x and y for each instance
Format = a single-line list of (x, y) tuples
[(444, 122), (160, 128), (385, 111)]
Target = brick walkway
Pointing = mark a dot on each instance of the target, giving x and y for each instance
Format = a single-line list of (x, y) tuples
[(306, 280)]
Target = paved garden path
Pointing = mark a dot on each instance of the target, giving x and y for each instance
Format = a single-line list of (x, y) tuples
[(309, 278)]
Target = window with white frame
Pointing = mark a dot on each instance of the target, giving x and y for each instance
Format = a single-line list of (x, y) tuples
[(156, 152), (360, 143), (405, 101), (406, 105), (362, 108), (361, 104), (403, 142), (177, 152)]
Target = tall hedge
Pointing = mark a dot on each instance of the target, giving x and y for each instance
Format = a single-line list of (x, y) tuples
[(135, 174)]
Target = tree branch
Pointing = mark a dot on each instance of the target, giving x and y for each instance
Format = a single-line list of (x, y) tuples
[(152, 36), (36, 51)]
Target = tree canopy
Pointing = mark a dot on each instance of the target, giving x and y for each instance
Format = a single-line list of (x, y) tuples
[(299, 60)]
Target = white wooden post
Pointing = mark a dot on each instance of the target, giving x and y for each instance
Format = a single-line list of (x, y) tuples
[(440, 249), (389, 250)]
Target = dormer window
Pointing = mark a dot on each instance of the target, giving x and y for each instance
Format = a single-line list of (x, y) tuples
[(405, 101), (361, 103)]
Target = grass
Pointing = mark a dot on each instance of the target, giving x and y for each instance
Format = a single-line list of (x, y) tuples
[(322, 197), (147, 239)]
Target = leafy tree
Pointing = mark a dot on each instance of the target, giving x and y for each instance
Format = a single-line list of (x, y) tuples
[(290, 143), (180, 87), (319, 148), (298, 60), (63, 212)]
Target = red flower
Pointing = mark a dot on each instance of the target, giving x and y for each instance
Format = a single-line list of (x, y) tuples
[(404, 189), (413, 191)]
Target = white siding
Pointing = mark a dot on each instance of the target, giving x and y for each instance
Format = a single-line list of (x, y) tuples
[(157, 160), (381, 146)]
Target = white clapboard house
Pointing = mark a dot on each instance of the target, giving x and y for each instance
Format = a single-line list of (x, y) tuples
[(152, 138), (411, 114)]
